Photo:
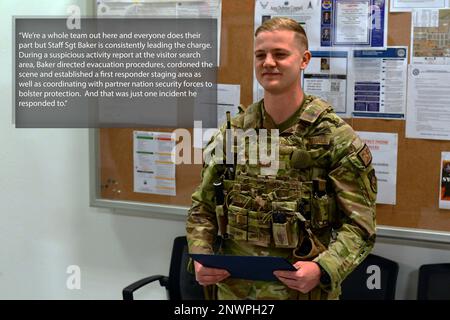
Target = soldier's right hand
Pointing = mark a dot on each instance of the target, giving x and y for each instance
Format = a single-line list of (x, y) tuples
[(207, 276)]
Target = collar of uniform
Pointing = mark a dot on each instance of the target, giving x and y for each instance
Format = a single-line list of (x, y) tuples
[(268, 123)]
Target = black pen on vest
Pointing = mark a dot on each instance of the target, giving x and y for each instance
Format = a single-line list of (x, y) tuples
[(229, 147)]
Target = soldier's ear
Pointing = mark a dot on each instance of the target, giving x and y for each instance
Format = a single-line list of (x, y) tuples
[(305, 59)]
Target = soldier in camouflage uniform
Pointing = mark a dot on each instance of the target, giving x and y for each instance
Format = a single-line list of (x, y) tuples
[(317, 209)]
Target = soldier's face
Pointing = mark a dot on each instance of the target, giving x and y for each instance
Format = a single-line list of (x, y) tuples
[(279, 59)]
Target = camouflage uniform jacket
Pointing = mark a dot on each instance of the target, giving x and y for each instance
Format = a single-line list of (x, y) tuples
[(347, 231)]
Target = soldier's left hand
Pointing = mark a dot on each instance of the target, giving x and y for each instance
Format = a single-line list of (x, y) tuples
[(306, 278)]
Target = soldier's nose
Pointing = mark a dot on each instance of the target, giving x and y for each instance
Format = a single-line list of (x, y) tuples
[(269, 62)]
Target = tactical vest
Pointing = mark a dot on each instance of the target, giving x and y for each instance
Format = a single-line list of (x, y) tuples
[(294, 207)]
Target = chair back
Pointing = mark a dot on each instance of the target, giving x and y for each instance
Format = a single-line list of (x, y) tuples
[(374, 279), (182, 284), (434, 282)]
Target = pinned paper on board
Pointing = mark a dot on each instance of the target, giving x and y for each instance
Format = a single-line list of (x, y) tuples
[(154, 166)]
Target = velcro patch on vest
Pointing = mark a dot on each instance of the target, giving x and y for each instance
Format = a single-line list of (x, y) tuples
[(323, 140), (280, 234), (365, 156)]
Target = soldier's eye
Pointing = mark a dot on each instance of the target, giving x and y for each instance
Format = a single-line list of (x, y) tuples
[(281, 55)]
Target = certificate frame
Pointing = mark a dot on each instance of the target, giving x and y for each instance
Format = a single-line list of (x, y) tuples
[(372, 17), (338, 38)]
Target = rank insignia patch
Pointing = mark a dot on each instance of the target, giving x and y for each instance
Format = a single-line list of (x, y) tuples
[(365, 156)]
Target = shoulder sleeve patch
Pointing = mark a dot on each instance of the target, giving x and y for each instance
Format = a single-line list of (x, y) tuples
[(365, 156)]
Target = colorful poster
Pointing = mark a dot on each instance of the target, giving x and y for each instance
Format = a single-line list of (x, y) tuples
[(430, 37), (377, 83), (154, 166), (359, 24)]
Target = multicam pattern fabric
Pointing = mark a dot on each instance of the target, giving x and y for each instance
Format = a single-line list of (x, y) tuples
[(334, 226)]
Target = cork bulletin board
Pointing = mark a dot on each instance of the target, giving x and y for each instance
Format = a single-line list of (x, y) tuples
[(418, 163)]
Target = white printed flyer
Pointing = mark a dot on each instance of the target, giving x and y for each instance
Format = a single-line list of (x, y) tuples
[(153, 162)]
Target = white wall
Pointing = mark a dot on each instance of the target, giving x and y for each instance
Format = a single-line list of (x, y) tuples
[(46, 223)]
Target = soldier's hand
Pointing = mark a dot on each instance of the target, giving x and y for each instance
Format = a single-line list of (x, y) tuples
[(207, 276), (306, 278)]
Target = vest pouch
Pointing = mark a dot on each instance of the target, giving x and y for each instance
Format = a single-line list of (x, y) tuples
[(259, 228), (236, 233), (285, 234), (248, 185), (286, 194), (283, 206), (259, 219), (309, 248), (237, 216), (229, 184), (237, 223), (322, 210), (284, 224), (241, 200)]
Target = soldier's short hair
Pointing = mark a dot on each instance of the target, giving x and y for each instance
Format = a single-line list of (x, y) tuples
[(282, 23)]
